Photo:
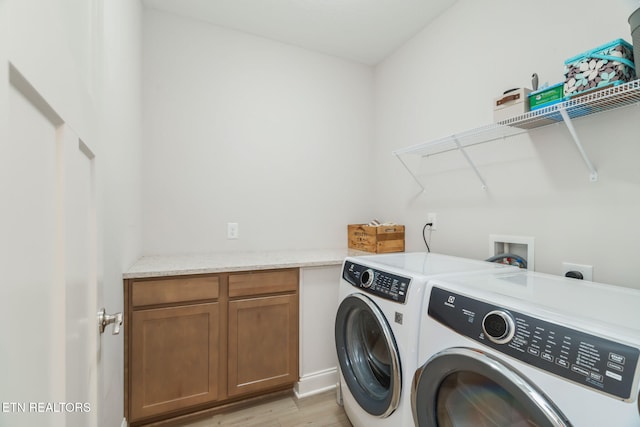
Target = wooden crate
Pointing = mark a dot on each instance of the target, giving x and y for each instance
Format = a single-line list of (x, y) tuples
[(378, 239)]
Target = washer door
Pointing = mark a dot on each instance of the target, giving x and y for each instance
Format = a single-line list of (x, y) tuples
[(462, 387), (368, 355)]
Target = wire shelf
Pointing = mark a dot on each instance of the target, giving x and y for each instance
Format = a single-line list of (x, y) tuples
[(581, 105)]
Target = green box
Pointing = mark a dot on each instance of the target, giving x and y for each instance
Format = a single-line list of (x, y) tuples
[(547, 96)]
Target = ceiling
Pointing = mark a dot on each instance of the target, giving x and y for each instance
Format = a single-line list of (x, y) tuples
[(364, 31)]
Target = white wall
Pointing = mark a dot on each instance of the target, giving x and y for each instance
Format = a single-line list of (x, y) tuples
[(444, 80), (241, 129), (318, 303), (84, 57)]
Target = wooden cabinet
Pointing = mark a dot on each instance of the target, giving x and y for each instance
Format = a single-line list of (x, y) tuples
[(174, 358), (174, 332), (263, 331), (193, 343)]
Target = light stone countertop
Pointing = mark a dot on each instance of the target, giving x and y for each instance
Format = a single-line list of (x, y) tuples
[(219, 262)]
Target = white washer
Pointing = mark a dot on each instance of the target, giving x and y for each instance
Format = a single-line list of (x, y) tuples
[(376, 330), (524, 348)]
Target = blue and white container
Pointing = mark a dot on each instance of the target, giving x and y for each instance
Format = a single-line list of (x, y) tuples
[(604, 66)]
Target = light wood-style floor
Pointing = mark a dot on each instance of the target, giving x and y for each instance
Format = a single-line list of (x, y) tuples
[(286, 411)]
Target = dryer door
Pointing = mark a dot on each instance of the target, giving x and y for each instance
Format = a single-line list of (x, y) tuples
[(466, 387), (368, 355)]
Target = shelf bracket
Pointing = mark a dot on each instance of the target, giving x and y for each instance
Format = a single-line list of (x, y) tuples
[(593, 173), (409, 170), (473, 165)]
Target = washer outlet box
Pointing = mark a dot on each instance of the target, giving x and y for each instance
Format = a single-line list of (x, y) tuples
[(586, 270)]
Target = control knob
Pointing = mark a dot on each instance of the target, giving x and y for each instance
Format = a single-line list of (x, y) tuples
[(366, 278), (498, 326)]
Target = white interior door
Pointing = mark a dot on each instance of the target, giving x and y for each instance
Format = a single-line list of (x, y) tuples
[(51, 351), (81, 280)]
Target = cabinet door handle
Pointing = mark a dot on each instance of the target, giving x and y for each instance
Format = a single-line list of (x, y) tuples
[(105, 319)]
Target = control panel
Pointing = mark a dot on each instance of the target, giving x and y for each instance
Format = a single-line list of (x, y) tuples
[(586, 359), (380, 283)]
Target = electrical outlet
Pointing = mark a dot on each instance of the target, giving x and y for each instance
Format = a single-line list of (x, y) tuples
[(232, 230), (432, 217), (586, 270)]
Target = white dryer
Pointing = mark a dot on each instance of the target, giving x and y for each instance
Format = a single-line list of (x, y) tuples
[(527, 349), (376, 330)]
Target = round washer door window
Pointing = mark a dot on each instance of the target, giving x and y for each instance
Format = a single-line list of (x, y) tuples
[(462, 387), (368, 355)]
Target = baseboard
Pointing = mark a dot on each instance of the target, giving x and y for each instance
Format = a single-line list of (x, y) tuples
[(316, 382)]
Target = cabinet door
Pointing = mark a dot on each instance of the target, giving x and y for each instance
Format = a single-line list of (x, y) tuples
[(263, 343), (174, 358)]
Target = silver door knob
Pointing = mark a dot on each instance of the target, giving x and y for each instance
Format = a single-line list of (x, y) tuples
[(105, 319)]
